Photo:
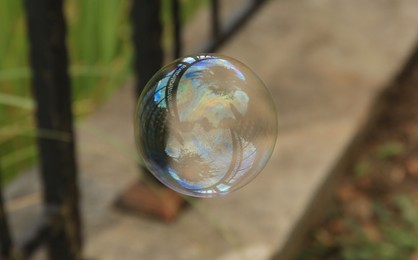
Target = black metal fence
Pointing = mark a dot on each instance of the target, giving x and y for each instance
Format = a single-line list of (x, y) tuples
[(60, 229)]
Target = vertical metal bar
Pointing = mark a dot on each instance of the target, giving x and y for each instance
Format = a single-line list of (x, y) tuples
[(51, 89), (176, 16), (147, 33), (39, 232), (240, 18), (5, 236), (215, 19), (148, 50)]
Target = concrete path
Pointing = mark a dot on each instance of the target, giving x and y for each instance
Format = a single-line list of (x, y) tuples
[(324, 62)]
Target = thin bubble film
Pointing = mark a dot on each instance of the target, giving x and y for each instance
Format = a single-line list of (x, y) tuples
[(205, 125)]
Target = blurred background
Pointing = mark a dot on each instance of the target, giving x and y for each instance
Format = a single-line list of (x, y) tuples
[(341, 183), (100, 49)]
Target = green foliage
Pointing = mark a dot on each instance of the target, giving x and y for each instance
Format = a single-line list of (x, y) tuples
[(99, 45), (361, 169), (98, 40), (396, 224), (100, 56), (399, 234), (14, 80), (390, 150)]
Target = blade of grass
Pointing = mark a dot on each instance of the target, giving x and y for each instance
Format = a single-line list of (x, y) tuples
[(16, 101)]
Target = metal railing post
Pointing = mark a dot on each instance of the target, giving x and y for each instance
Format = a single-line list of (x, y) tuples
[(215, 19), (52, 92), (6, 243), (176, 17), (147, 34)]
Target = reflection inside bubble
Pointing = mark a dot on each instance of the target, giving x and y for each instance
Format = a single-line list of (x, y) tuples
[(205, 125)]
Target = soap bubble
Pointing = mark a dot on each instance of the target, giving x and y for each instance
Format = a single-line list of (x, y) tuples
[(205, 125)]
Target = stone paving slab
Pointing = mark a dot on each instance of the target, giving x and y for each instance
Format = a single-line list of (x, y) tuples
[(324, 62)]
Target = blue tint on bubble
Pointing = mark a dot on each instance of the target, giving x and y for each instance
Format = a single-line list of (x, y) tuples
[(205, 125)]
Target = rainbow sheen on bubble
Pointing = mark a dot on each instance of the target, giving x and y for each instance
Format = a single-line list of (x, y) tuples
[(205, 125)]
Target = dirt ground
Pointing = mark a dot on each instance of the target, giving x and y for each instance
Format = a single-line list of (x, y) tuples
[(374, 213)]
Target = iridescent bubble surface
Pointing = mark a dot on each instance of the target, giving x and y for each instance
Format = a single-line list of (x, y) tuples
[(205, 125)]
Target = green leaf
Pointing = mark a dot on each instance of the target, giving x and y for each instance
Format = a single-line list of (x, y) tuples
[(390, 150)]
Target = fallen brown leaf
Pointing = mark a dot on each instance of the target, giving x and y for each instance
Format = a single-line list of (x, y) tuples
[(411, 166)]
